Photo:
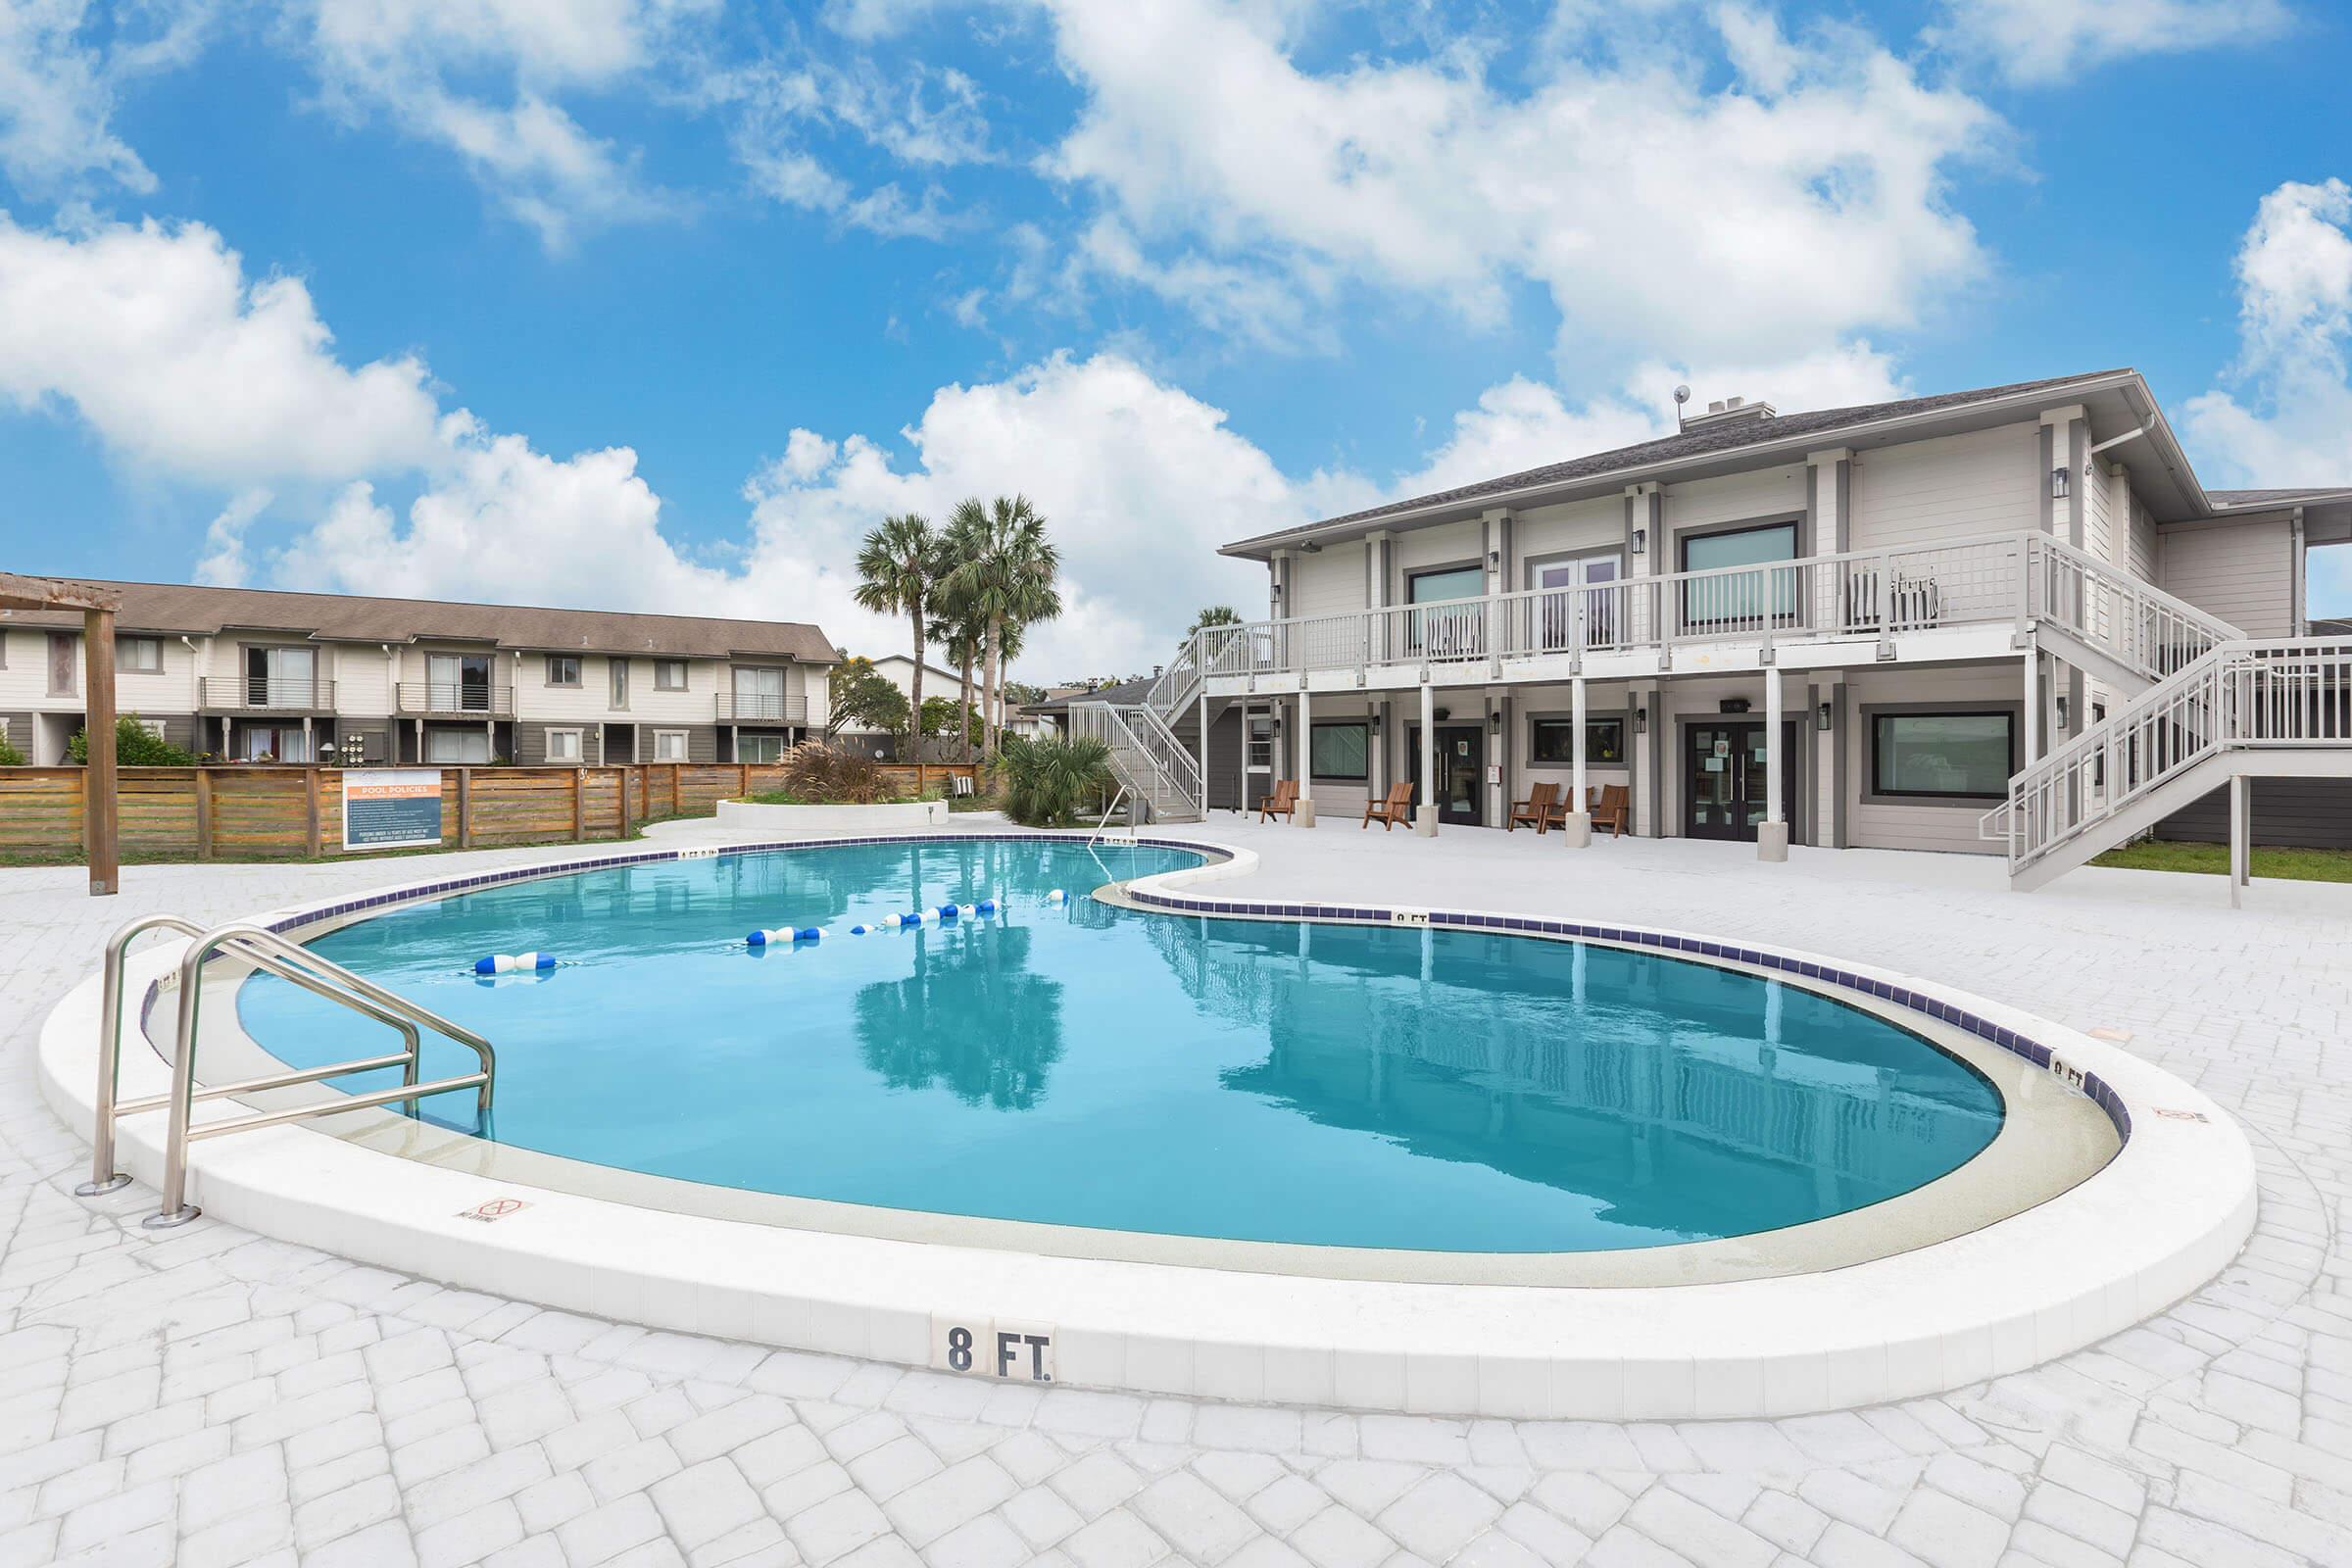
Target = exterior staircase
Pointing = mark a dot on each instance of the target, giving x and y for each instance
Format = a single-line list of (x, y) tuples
[(1156, 744), (2239, 709)]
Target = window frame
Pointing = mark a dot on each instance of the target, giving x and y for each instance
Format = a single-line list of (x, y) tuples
[(555, 683), (1872, 794), (124, 665), (678, 665), (1318, 774), (762, 740), (685, 745), (579, 745), (1450, 568), (618, 681), (1795, 523), (1592, 720)]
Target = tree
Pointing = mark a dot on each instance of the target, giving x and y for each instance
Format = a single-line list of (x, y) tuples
[(1213, 615), (1044, 781), (960, 635), (135, 745), (898, 566), (944, 716), (1017, 694), (1006, 570), (860, 697)]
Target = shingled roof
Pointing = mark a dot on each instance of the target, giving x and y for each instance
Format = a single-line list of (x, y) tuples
[(2278, 498), (184, 610), (1709, 438)]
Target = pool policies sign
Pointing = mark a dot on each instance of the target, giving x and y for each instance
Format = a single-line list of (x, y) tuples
[(392, 809)]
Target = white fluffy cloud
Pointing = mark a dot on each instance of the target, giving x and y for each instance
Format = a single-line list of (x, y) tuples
[(1665, 209), (182, 367), (2285, 418), (61, 72), (483, 78), (2040, 42)]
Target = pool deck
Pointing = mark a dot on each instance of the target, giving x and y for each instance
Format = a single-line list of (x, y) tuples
[(213, 1398)]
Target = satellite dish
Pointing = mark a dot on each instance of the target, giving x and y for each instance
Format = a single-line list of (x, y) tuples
[(1682, 395)]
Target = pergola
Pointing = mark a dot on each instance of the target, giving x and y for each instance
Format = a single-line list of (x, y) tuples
[(97, 605)]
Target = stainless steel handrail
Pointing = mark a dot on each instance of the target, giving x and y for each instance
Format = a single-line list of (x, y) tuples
[(272, 953)]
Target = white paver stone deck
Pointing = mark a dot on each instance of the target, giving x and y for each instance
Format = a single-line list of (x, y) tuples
[(216, 1396)]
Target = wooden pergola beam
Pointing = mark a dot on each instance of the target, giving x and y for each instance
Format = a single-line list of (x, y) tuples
[(100, 830)]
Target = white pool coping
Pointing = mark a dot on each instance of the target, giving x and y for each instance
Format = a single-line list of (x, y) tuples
[(2165, 1215)]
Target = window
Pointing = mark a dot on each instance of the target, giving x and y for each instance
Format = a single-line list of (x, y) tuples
[(281, 677), (619, 669), (1453, 582), (1960, 756), (153, 726), (65, 663), (759, 749), (760, 694), (457, 683), (670, 674), (562, 670), (1739, 595), (1261, 742), (1551, 743), (669, 745), (1341, 751), (563, 744), (139, 656), (457, 747), (283, 743)]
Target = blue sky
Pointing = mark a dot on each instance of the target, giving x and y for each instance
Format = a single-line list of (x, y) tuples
[(660, 303)]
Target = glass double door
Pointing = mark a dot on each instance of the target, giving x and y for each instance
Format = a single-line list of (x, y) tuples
[(1576, 603), (1723, 777), (1462, 772)]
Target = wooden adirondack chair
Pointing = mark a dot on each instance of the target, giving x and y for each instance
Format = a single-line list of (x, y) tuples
[(1542, 803), (1396, 807), (1283, 803), (1613, 809)]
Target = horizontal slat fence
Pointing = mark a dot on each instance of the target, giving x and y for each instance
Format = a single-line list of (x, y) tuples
[(249, 813)]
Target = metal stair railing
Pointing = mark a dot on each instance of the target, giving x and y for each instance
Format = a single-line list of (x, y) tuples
[(1146, 754), (2140, 626), (2239, 695), (271, 953)]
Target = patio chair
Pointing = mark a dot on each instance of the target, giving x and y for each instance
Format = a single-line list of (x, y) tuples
[(1613, 809), (1536, 810), (1396, 807), (1283, 803)]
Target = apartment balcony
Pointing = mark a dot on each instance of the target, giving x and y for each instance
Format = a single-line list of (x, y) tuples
[(267, 693), (1962, 599), (455, 698), (754, 708)]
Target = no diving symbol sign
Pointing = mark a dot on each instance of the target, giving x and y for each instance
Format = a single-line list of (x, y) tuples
[(496, 1208)]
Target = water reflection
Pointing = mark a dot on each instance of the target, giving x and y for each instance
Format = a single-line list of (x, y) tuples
[(971, 1019)]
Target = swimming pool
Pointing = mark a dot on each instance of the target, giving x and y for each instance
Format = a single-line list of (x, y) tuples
[(1085, 1065)]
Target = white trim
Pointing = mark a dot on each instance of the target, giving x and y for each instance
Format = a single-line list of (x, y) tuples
[(685, 745), (578, 744)]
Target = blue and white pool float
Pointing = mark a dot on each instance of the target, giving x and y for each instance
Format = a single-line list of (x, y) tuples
[(783, 935), (513, 963)]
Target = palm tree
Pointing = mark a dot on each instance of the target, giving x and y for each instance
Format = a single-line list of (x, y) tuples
[(899, 568), (1213, 615), (1005, 570), (960, 636)]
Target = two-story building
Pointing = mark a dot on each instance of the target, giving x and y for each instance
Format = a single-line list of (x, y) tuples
[(1844, 627), (255, 675)]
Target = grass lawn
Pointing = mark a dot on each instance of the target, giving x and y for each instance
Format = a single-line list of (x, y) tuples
[(2213, 859)]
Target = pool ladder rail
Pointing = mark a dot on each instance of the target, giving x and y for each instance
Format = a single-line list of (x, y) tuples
[(272, 953)]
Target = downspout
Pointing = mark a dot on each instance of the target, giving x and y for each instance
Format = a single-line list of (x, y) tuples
[(196, 689), (2296, 571), (392, 707)]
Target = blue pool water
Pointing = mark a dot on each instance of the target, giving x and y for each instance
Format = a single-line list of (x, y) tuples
[(1082, 1066)]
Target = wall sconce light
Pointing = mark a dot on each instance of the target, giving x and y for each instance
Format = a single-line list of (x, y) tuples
[(1821, 719), (2061, 480), (2099, 713), (1640, 718), (1495, 557), (1441, 714), (1640, 540), (1495, 722), (2062, 712), (1375, 723)]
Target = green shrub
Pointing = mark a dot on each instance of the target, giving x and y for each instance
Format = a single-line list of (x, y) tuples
[(1045, 783), (9, 757), (135, 745)]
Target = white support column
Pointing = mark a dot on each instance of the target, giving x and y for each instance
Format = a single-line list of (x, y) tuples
[(1306, 752), (1580, 805), (1204, 751), (2032, 705), (2241, 838), (1772, 834), (1425, 810)]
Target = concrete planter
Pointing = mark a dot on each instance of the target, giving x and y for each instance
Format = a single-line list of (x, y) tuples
[(899, 817)]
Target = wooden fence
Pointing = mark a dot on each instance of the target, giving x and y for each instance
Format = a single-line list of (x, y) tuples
[(248, 813)]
